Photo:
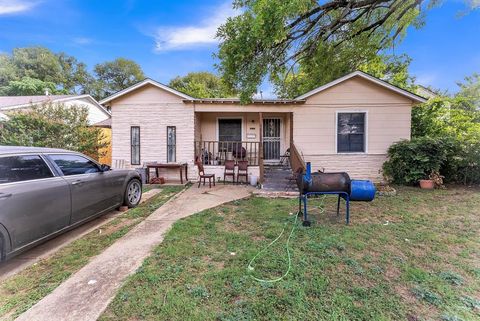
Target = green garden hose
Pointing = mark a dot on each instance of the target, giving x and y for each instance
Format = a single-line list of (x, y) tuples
[(250, 268)]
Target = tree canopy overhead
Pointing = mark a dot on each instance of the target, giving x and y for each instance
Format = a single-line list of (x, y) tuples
[(277, 37), (202, 85)]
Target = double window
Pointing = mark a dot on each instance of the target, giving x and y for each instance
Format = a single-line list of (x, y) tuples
[(171, 144), (23, 168), (135, 145), (351, 132)]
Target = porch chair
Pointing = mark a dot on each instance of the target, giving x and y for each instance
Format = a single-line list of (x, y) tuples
[(229, 170), (202, 175), (242, 170)]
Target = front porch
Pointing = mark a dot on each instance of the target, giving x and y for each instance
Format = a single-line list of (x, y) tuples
[(256, 137)]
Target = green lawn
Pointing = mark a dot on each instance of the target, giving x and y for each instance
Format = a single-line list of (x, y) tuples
[(423, 264), (19, 292)]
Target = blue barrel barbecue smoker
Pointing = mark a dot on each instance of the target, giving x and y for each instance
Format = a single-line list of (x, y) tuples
[(332, 183)]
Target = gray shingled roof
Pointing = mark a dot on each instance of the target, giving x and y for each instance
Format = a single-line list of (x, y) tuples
[(10, 101)]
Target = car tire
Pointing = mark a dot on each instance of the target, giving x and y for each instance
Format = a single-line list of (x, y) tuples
[(133, 193)]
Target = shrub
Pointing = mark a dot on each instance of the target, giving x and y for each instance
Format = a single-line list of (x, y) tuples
[(456, 122), (410, 161), (463, 162), (53, 125)]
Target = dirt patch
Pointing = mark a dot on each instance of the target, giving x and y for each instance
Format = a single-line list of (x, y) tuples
[(219, 265)]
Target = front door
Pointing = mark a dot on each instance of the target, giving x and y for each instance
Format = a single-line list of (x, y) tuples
[(271, 139)]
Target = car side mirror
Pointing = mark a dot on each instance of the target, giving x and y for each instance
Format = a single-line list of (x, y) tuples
[(105, 168)]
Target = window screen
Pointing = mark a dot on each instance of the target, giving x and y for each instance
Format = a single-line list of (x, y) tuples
[(171, 143), (135, 145), (351, 132), (23, 168), (74, 164)]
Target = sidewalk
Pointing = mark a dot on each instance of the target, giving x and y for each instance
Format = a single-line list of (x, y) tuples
[(88, 292)]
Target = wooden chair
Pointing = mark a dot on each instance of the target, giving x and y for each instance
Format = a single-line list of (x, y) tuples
[(242, 170), (201, 173), (229, 170)]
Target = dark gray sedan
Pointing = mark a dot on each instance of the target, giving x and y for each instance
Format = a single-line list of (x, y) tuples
[(45, 192)]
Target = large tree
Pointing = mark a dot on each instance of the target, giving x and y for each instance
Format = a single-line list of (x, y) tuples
[(470, 92), (27, 67), (201, 85), (278, 37), (113, 76)]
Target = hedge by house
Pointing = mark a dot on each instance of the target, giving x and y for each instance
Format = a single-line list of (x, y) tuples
[(446, 139), (53, 125)]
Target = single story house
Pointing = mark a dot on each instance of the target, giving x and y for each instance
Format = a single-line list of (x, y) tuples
[(345, 125), (96, 112)]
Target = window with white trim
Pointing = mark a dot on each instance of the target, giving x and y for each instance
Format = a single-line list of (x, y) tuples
[(351, 132)]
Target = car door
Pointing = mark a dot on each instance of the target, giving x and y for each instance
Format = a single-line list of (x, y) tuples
[(33, 201), (113, 185), (87, 185)]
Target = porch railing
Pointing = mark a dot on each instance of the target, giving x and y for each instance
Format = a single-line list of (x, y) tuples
[(296, 159), (216, 152)]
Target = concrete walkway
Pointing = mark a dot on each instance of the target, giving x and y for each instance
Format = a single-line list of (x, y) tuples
[(86, 294), (44, 250)]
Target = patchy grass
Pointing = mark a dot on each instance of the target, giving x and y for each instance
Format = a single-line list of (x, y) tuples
[(19, 292), (415, 256), (148, 187)]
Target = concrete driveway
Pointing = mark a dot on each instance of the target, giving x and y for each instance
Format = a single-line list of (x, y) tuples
[(86, 294), (35, 254)]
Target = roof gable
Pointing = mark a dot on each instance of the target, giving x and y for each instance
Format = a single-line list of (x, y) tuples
[(367, 77), (20, 102), (141, 84)]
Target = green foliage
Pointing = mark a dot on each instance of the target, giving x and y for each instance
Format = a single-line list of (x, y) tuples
[(53, 125), (36, 62), (279, 38), (331, 63), (30, 70), (457, 124), (28, 86), (410, 161), (201, 85), (426, 295), (451, 277), (113, 76), (470, 91)]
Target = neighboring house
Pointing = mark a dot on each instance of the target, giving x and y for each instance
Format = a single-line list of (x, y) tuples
[(425, 92), (106, 127), (345, 125), (96, 112)]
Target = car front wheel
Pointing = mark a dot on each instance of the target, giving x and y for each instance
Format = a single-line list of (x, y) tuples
[(133, 193)]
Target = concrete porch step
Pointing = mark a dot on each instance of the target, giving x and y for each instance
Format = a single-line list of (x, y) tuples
[(276, 180)]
